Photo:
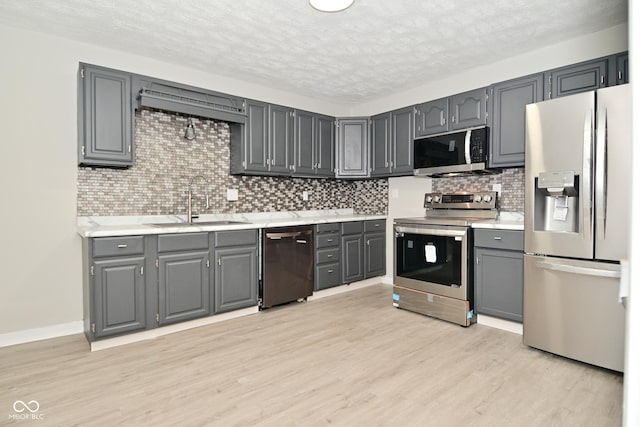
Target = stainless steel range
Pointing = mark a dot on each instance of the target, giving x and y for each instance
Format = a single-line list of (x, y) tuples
[(433, 256)]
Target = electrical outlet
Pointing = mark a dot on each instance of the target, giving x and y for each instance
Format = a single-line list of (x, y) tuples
[(498, 188), (305, 195), (232, 194)]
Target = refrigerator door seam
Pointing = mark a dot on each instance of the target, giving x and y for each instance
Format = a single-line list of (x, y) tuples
[(586, 174), (600, 181)]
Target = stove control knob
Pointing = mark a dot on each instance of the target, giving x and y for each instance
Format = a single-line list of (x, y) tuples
[(487, 198), (436, 199), (477, 198), (428, 199)]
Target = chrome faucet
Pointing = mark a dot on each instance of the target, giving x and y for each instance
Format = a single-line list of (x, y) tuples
[(190, 215)]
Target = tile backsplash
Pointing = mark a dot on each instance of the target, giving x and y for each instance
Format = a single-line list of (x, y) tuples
[(165, 162), (511, 180)]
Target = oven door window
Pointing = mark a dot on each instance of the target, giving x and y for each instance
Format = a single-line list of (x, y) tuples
[(435, 259)]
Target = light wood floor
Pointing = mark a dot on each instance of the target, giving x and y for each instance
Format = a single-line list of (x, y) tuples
[(347, 360)]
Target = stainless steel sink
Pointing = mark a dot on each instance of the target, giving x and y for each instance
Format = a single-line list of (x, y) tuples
[(196, 224)]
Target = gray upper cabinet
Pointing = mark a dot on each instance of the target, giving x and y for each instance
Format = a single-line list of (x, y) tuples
[(105, 122), (508, 126), (392, 143), (621, 74), (313, 145), (255, 147), (353, 148), (577, 78), (183, 277), (432, 117), (468, 109), (280, 139)]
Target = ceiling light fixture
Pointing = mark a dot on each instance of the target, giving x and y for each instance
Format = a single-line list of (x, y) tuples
[(330, 5)]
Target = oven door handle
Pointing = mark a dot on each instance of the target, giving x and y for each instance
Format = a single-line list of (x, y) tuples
[(449, 231)]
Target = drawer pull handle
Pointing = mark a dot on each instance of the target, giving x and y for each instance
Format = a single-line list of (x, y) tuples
[(122, 246), (330, 256), (377, 225), (329, 240), (329, 271), (497, 238)]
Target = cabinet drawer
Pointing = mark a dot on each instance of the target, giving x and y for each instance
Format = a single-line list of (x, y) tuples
[(327, 240), (333, 227), (113, 246), (182, 242), (375, 225), (328, 276), (354, 227), (500, 239), (236, 238), (324, 256)]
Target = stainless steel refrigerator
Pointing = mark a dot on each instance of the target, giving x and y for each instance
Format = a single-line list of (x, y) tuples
[(577, 197)]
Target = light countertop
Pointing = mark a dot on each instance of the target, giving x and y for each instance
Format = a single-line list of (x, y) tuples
[(505, 221), (103, 226)]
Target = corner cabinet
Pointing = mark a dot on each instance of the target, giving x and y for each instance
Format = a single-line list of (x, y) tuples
[(105, 117), (499, 273), (508, 126), (456, 112), (353, 147), (392, 143)]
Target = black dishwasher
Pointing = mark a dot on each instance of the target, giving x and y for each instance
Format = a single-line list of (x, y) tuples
[(287, 266)]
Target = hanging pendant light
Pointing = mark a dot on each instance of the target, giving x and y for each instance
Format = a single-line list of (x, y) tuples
[(190, 131), (330, 5)]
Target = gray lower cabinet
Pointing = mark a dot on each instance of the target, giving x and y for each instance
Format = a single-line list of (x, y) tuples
[(327, 272), (105, 117), (114, 286), (499, 273), (353, 148), (236, 270), (375, 248), (508, 126), (183, 277), (577, 78), (392, 143), (352, 239), (313, 145)]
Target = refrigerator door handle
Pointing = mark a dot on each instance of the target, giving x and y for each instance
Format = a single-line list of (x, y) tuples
[(578, 270), (467, 147), (601, 173), (586, 175)]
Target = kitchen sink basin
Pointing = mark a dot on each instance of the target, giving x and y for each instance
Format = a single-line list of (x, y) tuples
[(197, 223)]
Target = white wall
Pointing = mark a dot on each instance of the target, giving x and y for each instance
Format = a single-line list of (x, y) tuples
[(40, 257)]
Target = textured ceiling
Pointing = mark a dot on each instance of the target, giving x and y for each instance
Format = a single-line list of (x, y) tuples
[(373, 49)]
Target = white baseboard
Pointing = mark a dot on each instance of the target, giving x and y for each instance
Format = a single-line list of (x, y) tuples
[(505, 325), (37, 334)]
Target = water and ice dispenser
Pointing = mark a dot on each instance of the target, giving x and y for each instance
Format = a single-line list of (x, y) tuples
[(557, 201)]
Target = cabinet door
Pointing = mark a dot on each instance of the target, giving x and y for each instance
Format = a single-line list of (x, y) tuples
[(402, 142), (508, 129), (622, 68), (304, 144), (118, 296), (256, 148), (499, 281), (375, 262), (353, 148), (280, 139), (183, 286), (577, 78), (380, 144), (325, 143), (468, 109), (432, 117), (236, 278), (106, 118), (352, 258)]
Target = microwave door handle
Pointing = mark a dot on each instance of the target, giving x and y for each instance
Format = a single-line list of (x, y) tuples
[(601, 173), (467, 147), (587, 188)]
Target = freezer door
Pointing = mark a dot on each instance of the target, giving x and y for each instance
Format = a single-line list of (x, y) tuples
[(571, 308), (613, 169), (559, 139)]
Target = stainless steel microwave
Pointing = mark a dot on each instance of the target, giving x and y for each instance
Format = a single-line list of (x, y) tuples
[(452, 153)]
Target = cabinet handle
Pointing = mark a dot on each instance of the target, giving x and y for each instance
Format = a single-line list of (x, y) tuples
[(376, 225), (619, 75), (330, 256), (497, 238), (329, 240), (122, 246), (453, 119), (602, 79), (329, 271)]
